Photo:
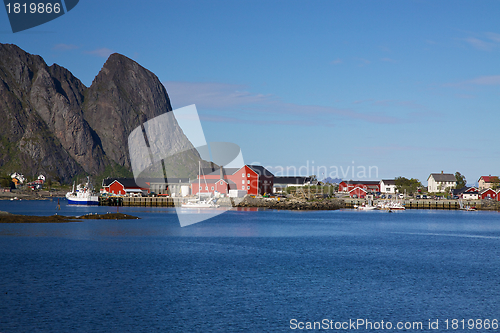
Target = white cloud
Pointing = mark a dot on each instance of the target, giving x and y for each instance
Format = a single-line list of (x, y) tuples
[(102, 52), (363, 61), (479, 44), (486, 41), (491, 80), (493, 36), (212, 95), (229, 97), (388, 60), (64, 47)]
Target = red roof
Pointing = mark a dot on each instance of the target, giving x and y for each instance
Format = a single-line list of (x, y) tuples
[(490, 179)]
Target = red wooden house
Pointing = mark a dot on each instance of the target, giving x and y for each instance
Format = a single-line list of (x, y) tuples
[(209, 186), (359, 192), (122, 186), (254, 179), (367, 185), (488, 193)]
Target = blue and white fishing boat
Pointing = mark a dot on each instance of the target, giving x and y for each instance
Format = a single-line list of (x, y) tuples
[(83, 195)]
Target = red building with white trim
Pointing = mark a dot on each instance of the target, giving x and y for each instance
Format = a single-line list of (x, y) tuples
[(254, 179), (488, 193), (360, 192), (122, 186), (367, 185)]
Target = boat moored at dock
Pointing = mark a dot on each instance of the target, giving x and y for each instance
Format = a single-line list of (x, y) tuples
[(83, 195)]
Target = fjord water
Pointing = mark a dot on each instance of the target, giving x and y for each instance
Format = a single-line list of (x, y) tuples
[(247, 271)]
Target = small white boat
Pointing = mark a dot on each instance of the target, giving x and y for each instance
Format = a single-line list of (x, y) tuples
[(391, 206), (367, 207), (467, 207), (198, 203)]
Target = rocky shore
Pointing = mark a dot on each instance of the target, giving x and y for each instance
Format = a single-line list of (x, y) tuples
[(6, 217), (490, 205), (293, 203), (31, 195)]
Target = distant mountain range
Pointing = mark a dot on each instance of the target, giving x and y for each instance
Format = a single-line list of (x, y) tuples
[(332, 180), (52, 124)]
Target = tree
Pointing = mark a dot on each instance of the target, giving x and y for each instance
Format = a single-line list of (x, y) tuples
[(461, 181), (5, 181), (410, 185), (495, 182)]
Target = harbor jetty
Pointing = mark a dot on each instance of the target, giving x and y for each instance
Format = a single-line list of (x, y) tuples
[(138, 201), (6, 217), (298, 203), (431, 204)]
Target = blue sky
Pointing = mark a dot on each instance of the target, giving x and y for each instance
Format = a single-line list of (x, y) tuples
[(407, 87)]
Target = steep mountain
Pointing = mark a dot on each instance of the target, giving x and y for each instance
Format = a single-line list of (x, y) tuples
[(27, 142), (53, 124), (123, 96)]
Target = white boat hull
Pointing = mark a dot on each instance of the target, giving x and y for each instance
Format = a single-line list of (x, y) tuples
[(200, 204), (367, 208), (90, 200)]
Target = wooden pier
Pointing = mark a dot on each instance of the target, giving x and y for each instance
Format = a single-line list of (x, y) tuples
[(137, 201), (420, 204), (348, 203)]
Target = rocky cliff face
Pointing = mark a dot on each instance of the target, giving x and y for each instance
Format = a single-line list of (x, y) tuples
[(53, 124), (123, 96)]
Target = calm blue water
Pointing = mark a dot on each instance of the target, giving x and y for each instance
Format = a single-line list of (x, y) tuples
[(245, 271)]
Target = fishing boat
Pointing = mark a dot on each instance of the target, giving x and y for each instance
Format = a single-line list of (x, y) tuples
[(369, 206), (83, 195), (198, 203)]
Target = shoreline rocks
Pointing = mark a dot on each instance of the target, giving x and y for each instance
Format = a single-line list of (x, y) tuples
[(6, 217), (292, 204)]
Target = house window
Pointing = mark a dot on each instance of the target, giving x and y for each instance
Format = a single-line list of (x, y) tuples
[(200, 187), (248, 187), (243, 187), (243, 181), (248, 181), (206, 188), (212, 188), (242, 175), (248, 175)]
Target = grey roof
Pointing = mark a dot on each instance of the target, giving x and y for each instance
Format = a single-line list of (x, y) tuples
[(458, 191), (260, 170), (443, 177), (299, 180), (389, 181), (169, 180), (226, 171), (212, 181)]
